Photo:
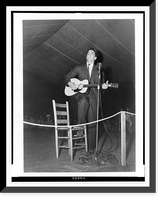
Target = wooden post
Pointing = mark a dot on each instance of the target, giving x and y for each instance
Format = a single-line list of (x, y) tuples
[(71, 144), (123, 138)]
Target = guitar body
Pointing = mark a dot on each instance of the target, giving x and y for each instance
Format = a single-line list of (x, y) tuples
[(69, 92)]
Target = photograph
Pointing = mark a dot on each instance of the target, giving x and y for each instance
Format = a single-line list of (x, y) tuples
[(56, 57), (78, 107)]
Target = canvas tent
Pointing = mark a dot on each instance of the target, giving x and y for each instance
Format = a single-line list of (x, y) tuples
[(51, 48)]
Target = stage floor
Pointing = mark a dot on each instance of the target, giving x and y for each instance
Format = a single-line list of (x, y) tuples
[(40, 156)]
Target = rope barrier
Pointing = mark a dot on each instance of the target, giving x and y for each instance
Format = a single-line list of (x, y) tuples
[(130, 113), (76, 125), (43, 125)]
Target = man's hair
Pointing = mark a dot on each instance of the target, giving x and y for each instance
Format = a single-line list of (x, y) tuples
[(93, 49)]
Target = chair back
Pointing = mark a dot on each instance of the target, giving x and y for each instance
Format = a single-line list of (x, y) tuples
[(61, 113)]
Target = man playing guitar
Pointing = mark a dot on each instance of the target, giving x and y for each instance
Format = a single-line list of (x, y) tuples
[(87, 102)]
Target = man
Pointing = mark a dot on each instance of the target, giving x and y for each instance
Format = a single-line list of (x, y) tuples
[(87, 102)]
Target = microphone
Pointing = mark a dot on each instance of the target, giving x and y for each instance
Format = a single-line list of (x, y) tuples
[(99, 66)]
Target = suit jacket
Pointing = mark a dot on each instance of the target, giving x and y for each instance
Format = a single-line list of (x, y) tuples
[(81, 72)]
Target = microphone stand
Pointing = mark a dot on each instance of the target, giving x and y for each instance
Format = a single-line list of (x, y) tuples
[(98, 98)]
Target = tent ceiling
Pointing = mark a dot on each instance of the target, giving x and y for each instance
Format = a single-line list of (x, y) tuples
[(53, 47)]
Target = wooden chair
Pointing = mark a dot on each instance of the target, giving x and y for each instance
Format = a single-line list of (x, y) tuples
[(62, 124)]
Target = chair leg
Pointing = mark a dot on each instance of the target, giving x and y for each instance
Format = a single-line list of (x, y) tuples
[(86, 142), (56, 143), (69, 152), (71, 145)]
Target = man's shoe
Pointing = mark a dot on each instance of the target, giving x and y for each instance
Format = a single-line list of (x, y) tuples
[(79, 133)]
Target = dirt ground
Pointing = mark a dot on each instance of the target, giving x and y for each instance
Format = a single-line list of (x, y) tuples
[(40, 156)]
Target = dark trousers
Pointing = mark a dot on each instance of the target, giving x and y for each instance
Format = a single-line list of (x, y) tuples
[(87, 112)]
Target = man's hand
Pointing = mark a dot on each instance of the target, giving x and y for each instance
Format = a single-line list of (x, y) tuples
[(105, 85), (73, 86)]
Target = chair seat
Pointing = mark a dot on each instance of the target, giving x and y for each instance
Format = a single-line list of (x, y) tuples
[(78, 128)]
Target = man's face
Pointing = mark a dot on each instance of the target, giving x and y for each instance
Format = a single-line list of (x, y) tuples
[(90, 56)]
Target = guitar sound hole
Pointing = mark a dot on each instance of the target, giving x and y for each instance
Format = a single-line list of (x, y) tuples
[(80, 86)]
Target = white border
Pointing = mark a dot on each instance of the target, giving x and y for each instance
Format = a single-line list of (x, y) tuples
[(17, 168)]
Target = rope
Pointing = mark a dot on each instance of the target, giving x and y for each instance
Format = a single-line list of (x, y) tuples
[(76, 125), (130, 113), (44, 125)]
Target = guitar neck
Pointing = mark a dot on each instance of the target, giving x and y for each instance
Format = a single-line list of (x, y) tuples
[(95, 85), (90, 85)]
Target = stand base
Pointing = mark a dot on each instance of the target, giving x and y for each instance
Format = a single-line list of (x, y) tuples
[(102, 158)]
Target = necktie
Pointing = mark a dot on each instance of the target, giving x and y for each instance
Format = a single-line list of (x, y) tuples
[(89, 69)]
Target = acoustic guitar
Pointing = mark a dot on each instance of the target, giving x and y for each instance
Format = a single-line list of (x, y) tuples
[(82, 86)]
